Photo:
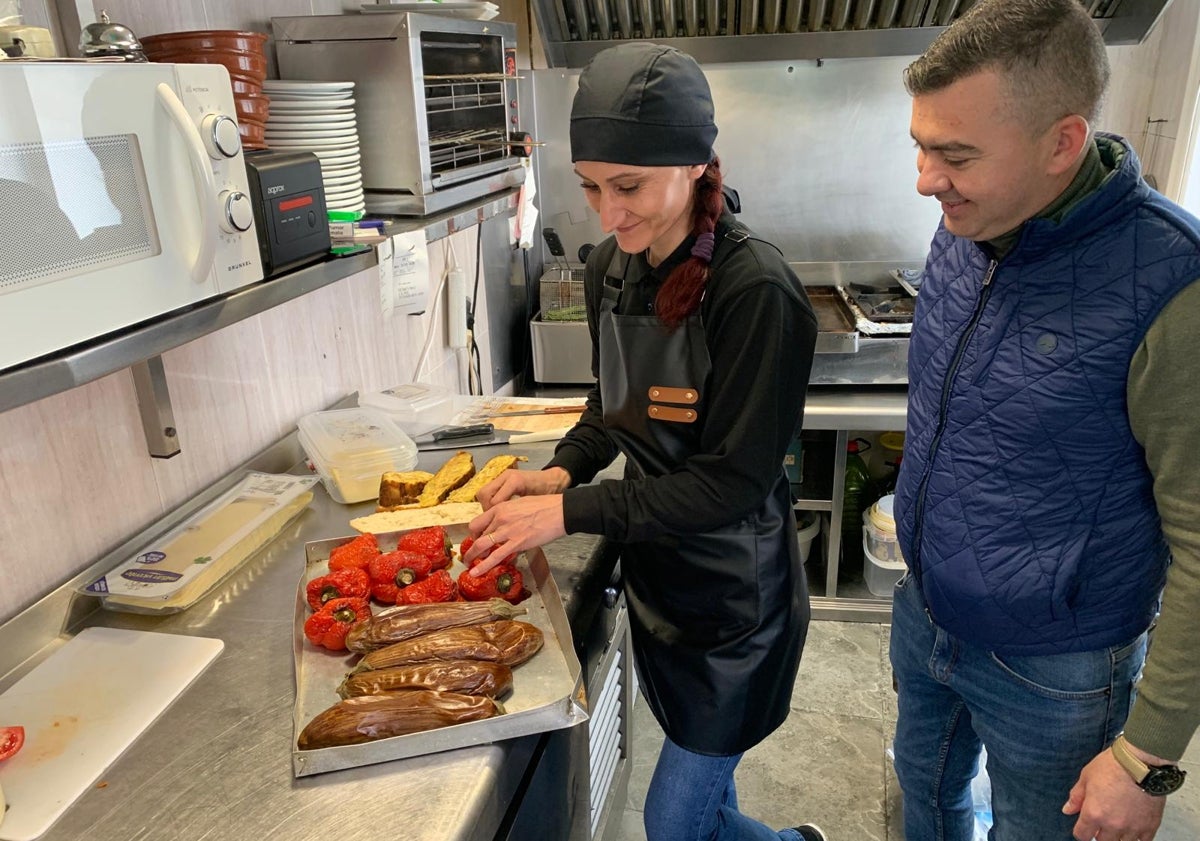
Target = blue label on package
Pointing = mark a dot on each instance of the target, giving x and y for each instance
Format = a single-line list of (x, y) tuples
[(151, 557), (151, 576)]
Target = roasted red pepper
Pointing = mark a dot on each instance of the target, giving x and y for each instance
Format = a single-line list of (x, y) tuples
[(394, 570), (502, 581), (466, 545), (329, 625), (438, 587), (344, 583), (357, 553), (432, 542), (11, 739)]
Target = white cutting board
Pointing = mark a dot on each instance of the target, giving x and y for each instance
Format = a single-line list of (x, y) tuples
[(81, 708)]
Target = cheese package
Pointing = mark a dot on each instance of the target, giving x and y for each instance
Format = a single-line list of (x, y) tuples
[(179, 567)]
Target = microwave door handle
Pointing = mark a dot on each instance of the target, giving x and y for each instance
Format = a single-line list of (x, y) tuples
[(202, 176)]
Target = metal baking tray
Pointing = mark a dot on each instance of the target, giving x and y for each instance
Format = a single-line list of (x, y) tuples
[(835, 323), (547, 694)]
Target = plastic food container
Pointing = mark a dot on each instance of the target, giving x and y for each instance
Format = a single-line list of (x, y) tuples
[(413, 402), (879, 531), (351, 448), (807, 530), (881, 575)]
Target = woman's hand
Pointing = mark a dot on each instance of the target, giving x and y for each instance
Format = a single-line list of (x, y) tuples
[(514, 483), (513, 526), (522, 509)]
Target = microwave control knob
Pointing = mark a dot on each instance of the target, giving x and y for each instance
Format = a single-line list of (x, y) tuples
[(220, 135), (239, 215)]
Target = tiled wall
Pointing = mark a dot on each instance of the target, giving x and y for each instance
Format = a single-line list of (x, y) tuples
[(75, 477)]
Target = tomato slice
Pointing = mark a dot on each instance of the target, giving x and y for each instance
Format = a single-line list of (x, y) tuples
[(11, 739)]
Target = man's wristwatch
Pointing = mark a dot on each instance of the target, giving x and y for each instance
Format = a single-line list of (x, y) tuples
[(1159, 780)]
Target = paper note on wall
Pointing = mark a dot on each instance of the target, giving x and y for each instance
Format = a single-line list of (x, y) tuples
[(410, 272), (522, 224), (386, 298)]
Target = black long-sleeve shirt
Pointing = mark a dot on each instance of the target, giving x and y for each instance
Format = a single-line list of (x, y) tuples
[(760, 332)]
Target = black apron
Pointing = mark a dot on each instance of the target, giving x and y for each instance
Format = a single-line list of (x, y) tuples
[(719, 618)]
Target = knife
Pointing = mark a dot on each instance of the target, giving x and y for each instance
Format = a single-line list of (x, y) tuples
[(549, 410), (484, 435)]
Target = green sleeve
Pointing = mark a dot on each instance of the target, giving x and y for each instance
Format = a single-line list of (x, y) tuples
[(1164, 412)]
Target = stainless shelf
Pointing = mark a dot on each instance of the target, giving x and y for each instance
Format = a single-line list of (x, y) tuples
[(87, 362), (92, 360)]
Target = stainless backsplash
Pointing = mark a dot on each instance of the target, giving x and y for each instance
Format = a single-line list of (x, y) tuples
[(819, 152)]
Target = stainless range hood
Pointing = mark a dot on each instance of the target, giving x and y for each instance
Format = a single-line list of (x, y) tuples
[(717, 31)]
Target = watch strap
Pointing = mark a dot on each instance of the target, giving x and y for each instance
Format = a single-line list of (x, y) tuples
[(1156, 780), (1136, 769)]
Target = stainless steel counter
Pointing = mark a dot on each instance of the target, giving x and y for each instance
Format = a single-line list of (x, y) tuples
[(217, 763)]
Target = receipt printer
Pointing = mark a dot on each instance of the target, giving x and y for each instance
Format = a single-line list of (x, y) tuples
[(289, 208)]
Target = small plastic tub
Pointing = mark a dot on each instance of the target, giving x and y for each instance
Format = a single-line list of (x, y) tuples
[(879, 531), (881, 575), (806, 533), (413, 403), (352, 448)]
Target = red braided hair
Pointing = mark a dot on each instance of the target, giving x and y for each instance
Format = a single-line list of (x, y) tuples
[(682, 291)]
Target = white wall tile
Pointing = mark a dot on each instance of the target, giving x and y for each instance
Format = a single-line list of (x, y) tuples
[(151, 17), (75, 481), (221, 396)]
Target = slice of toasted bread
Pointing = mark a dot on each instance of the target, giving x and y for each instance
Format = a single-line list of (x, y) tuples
[(490, 471), (454, 473), (397, 489), (447, 514)]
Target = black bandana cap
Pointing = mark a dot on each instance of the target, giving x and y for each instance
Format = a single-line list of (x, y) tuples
[(643, 104)]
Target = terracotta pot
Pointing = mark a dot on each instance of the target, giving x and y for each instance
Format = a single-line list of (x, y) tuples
[(244, 66), (207, 39), (253, 107), (241, 88), (252, 135)]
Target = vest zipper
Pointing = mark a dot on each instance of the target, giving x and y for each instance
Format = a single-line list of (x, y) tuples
[(964, 340)]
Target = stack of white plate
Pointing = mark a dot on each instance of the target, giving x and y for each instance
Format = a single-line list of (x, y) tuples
[(318, 117)]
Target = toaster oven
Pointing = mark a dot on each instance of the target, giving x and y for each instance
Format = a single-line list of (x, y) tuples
[(435, 97)]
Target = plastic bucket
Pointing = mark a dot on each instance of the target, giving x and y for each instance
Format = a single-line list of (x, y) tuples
[(806, 534), (881, 575)]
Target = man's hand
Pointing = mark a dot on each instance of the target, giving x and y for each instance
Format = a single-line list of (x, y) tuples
[(1110, 805)]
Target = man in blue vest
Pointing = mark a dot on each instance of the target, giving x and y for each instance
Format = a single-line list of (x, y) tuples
[(1049, 494)]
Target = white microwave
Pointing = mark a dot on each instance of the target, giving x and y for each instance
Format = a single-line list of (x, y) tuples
[(123, 196)]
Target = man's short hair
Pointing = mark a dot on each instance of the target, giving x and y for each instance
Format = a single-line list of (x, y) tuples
[(1049, 52)]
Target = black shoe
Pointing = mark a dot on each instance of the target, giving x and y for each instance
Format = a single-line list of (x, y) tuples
[(810, 832)]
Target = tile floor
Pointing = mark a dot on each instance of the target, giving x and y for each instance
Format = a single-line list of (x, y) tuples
[(827, 764)]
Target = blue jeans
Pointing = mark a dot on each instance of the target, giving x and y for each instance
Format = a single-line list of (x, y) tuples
[(692, 798), (1041, 718)]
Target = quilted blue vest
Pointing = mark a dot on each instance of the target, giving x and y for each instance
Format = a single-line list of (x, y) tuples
[(1024, 504)]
